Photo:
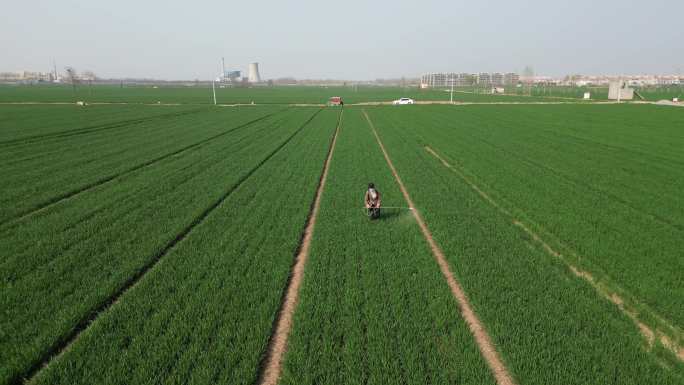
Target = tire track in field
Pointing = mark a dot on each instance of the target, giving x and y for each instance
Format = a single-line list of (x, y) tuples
[(63, 344), (95, 128), (667, 339), (477, 328), (99, 182), (271, 363)]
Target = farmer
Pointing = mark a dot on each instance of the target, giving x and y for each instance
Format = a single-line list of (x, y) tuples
[(373, 201)]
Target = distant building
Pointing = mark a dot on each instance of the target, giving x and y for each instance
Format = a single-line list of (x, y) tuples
[(445, 79), (26, 76), (486, 80), (10, 76), (669, 81), (511, 79), (497, 79), (433, 80), (231, 75), (465, 79)]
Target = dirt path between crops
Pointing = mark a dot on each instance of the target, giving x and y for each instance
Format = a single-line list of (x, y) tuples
[(476, 327), (64, 344), (272, 362), (649, 333)]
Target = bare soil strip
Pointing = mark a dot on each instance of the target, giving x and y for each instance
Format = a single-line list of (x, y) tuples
[(476, 327), (649, 333), (71, 194), (63, 345), (272, 362)]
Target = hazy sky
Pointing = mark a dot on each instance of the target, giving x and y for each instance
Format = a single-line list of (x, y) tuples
[(347, 39)]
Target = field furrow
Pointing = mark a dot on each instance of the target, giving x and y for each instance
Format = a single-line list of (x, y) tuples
[(204, 313), (549, 325), (97, 258), (633, 243), (189, 234), (374, 306), (271, 364), (476, 327)]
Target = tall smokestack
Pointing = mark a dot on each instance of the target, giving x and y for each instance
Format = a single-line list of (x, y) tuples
[(253, 73)]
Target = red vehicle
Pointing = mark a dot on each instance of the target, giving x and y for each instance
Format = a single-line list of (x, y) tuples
[(335, 101)]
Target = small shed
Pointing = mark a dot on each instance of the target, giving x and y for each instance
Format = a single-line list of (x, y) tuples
[(620, 91)]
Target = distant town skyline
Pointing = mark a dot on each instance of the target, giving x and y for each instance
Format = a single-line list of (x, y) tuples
[(428, 78), (354, 40)]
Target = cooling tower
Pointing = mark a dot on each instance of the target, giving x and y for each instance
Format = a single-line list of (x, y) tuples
[(253, 73)]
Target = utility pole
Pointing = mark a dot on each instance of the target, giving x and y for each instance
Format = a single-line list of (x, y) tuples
[(73, 78), (451, 95)]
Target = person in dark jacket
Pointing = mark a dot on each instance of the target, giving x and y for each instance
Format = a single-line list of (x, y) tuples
[(373, 201)]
